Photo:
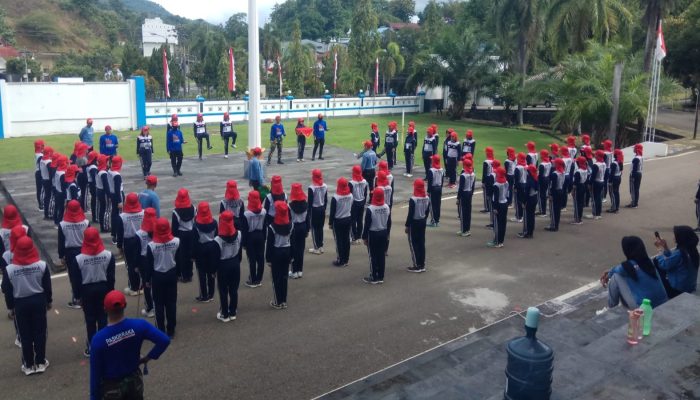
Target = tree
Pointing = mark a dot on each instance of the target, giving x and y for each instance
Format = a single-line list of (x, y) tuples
[(40, 25), (298, 63), (654, 11), (391, 62), (16, 66), (432, 22), (132, 60), (402, 9), (7, 34), (682, 41), (237, 27), (364, 40)]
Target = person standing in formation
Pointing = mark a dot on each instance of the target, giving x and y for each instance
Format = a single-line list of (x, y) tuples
[(500, 208), (519, 183), (615, 179), (465, 193), (557, 183), (318, 198), (116, 194), (161, 275), (586, 140), (409, 150), (200, 133), (256, 177), (15, 234), (469, 144), (109, 143), (368, 164), (301, 139), (205, 230), (227, 133), (544, 171), (52, 167), (299, 214), (358, 186), (509, 165), (26, 283), (636, 175), (383, 166), (530, 192), (580, 188), (87, 133), (149, 197), (277, 134), (38, 155), (374, 137), (276, 194), (91, 174), (278, 253), (430, 145), (588, 155), (59, 189), (95, 275), (145, 150), (70, 240), (532, 154), (569, 168), (339, 221), (453, 155), (553, 152), (102, 193), (253, 227), (416, 221), (486, 172), (145, 235), (228, 273), (46, 184), (391, 140), (129, 243), (320, 129), (174, 142), (376, 235), (489, 183), (436, 175), (232, 202), (72, 189), (598, 178), (608, 151), (183, 229), (571, 146)]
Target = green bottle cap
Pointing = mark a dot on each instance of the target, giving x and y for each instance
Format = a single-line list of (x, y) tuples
[(646, 302)]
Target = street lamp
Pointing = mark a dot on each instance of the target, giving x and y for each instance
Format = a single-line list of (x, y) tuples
[(695, 129)]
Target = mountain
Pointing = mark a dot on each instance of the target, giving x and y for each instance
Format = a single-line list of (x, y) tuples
[(149, 8)]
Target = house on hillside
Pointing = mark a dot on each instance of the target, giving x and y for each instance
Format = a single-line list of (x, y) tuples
[(155, 33), (6, 53)]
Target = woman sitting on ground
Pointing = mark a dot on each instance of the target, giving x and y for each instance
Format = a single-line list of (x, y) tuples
[(678, 268)]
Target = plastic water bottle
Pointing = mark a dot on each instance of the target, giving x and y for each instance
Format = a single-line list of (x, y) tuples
[(648, 312), (634, 329)]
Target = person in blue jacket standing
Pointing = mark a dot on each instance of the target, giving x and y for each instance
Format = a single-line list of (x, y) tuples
[(174, 142), (320, 129), (87, 133), (109, 143), (277, 134)]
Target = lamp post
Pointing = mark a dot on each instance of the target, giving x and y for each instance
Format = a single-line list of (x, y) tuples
[(361, 95), (289, 98), (695, 128), (246, 97)]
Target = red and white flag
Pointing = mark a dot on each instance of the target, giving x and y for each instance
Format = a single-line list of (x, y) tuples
[(231, 71), (279, 72), (335, 70), (166, 75), (376, 77), (660, 52)]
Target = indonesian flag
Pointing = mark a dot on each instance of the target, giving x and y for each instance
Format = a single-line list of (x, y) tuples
[(166, 74), (660, 52), (335, 70), (376, 77), (231, 71), (279, 72)]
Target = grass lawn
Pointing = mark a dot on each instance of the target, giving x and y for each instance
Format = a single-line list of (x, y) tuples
[(347, 132)]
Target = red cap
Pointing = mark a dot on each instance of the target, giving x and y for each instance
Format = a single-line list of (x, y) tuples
[(419, 188), (571, 141), (92, 242), (232, 190), (522, 158), (114, 301), (374, 126), (431, 130), (378, 196), (226, 116), (182, 200), (559, 165), (342, 187), (510, 152), (588, 152), (73, 213), (145, 129), (495, 164), (544, 155), (276, 187), (204, 213), (554, 148), (16, 233), (607, 145), (92, 156), (501, 175), (469, 156), (297, 193), (317, 177), (357, 173), (132, 204), (382, 180), (62, 163), (117, 163), (281, 213), (599, 155), (619, 156), (39, 146), (582, 162), (257, 151), (151, 180), (76, 146), (71, 172), (564, 152), (200, 117), (411, 123), (108, 128), (392, 125), (254, 203), (489, 152), (10, 217), (383, 166), (48, 152), (161, 231), (468, 165), (435, 161), (102, 162), (25, 253), (454, 136), (226, 226), (531, 147), (586, 139), (367, 144), (639, 149), (532, 169), (149, 220), (470, 134)]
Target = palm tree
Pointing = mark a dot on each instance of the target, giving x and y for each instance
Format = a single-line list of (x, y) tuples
[(654, 11), (391, 62), (525, 18), (573, 22)]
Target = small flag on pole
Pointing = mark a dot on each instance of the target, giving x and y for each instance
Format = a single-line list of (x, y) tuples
[(279, 72), (660, 52), (376, 77), (166, 74), (231, 71), (335, 70)]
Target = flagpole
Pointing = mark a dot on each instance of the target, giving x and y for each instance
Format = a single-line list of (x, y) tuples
[(254, 139)]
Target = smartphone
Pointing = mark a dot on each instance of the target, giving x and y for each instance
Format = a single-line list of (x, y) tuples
[(656, 233)]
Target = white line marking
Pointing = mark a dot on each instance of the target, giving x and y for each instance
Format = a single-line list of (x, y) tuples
[(446, 198), (64, 274)]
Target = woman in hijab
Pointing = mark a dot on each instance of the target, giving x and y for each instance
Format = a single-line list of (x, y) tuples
[(678, 268)]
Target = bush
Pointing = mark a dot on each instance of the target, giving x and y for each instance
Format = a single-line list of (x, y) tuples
[(40, 25)]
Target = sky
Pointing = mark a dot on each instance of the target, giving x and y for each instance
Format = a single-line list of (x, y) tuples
[(218, 11)]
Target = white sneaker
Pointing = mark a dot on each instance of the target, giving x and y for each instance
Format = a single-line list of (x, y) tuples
[(28, 371), (465, 234), (563, 210), (226, 156), (589, 216), (130, 292), (234, 146), (321, 250), (221, 318), (597, 217), (298, 159), (314, 251), (147, 313), (409, 175), (18, 343), (42, 367), (299, 274)]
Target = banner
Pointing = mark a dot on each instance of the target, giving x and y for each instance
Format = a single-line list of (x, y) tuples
[(231, 71), (376, 77), (279, 72), (166, 74), (335, 70), (660, 52)]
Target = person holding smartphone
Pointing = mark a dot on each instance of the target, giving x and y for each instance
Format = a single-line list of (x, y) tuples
[(678, 268)]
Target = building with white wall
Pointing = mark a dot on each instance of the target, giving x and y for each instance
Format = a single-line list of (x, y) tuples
[(155, 33)]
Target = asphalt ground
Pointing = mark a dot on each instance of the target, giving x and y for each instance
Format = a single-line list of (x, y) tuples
[(338, 329)]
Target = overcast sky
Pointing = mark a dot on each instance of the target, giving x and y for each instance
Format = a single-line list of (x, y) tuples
[(218, 11)]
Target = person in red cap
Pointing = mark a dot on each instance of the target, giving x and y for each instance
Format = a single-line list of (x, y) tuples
[(436, 175), (569, 168), (70, 240), (320, 128), (544, 171), (87, 133), (255, 174), (531, 153), (358, 187), (199, 128), (95, 275), (74, 155), (205, 230), (115, 354), (173, 144), (6, 259), (465, 193), (486, 179), (26, 283), (81, 175), (145, 235), (530, 191), (391, 140), (232, 202), (38, 155), (109, 143), (72, 189), (430, 145), (227, 133), (608, 151), (636, 175), (45, 171), (509, 165), (500, 208), (598, 178), (376, 236), (318, 199), (102, 193), (448, 137), (145, 150), (453, 155), (384, 166), (519, 183), (587, 153), (488, 184), (557, 185), (374, 137), (116, 193), (148, 197), (586, 142), (91, 193), (416, 220), (277, 135), (10, 219), (339, 221), (59, 188), (469, 144), (409, 148), (301, 139), (580, 189), (276, 194), (553, 151), (129, 243), (183, 229), (161, 275), (615, 179), (278, 253), (299, 213), (253, 230), (571, 146), (227, 255)]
